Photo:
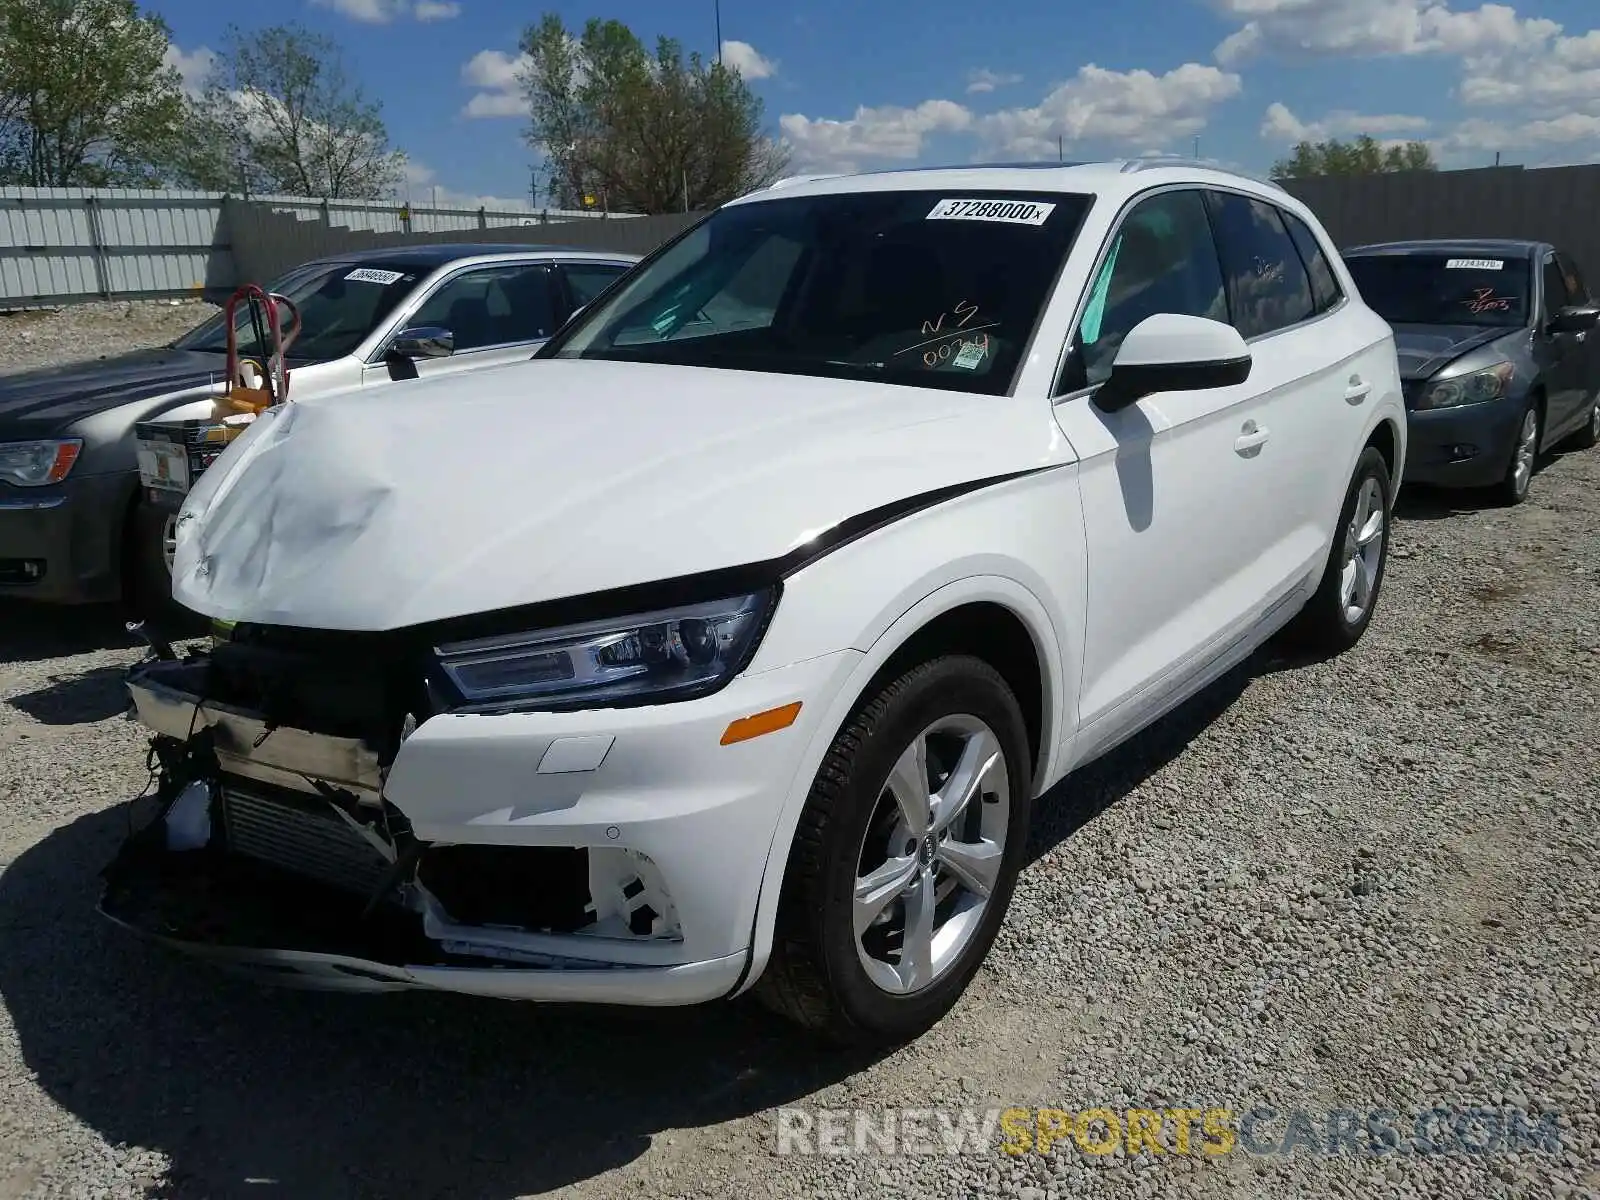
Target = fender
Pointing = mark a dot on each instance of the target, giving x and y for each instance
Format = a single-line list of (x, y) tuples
[(1059, 700)]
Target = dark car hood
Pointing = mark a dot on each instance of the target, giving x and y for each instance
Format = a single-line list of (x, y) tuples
[(1423, 349), (45, 401)]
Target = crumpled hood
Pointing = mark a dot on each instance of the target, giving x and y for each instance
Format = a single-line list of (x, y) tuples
[(1425, 349), (44, 402), (467, 494)]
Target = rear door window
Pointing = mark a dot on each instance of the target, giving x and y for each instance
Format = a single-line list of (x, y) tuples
[(1267, 283), (1325, 290)]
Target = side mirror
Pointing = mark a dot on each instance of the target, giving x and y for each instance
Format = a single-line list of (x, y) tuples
[(1173, 353), (422, 341), (1579, 319)]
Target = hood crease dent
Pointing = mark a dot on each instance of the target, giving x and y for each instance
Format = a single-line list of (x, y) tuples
[(538, 481)]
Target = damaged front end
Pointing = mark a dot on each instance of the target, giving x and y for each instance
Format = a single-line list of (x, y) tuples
[(273, 848)]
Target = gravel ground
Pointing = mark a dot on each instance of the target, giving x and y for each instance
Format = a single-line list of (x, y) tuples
[(42, 337), (1363, 884)]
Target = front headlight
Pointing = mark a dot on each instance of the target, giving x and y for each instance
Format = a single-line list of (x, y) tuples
[(672, 654), (35, 464), (1488, 384)]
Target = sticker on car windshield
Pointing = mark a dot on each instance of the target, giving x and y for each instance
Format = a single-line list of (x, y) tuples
[(972, 354), (1007, 212), (1475, 264), (372, 275)]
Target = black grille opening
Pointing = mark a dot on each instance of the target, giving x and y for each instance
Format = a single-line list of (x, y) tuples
[(344, 685), (538, 888)]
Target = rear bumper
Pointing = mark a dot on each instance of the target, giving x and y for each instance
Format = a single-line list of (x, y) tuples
[(1462, 447), (663, 830), (63, 544)]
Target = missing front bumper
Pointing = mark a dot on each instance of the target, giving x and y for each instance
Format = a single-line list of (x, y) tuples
[(295, 868), (267, 925)]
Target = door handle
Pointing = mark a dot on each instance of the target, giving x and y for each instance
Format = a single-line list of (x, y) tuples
[(1358, 390), (1250, 439)]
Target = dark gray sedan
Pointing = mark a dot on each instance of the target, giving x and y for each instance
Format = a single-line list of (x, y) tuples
[(1498, 352)]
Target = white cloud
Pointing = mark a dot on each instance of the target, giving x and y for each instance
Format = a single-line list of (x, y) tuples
[(1281, 125), (423, 186), (194, 68), (1371, 28), (1135, 110), (881, 134), (1125, 108), (748, 61), (381, 12), (984, 80), (497, 76)]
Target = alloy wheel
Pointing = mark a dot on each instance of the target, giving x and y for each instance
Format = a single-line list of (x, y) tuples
[(931, 854), (1363, 551), (1527, 452)]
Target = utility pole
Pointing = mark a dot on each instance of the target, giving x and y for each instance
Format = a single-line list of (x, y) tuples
[(1197, 145), (717, 4), (1061, 148)]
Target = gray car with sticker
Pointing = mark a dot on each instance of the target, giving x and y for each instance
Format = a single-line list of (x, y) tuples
[(1498, 352)]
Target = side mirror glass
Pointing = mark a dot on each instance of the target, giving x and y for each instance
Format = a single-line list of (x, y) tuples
[(1170, 352), (1579, 319), (423, 341)]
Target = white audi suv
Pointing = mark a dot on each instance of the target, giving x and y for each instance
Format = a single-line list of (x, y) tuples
[(730, 643)]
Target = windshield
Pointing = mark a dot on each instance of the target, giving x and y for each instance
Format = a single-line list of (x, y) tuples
[(339, 306), (1439, 289), (934, 289)]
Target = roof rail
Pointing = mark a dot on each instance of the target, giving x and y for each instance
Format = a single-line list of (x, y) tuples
[(1157, 161), (790, 180)]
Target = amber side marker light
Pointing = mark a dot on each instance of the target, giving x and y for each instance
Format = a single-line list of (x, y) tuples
[(770, 721)]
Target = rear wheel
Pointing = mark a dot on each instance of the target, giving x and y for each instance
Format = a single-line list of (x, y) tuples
[(905, 857), (1336, 616)]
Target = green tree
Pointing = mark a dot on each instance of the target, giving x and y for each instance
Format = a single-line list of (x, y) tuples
[(1363, 156), (280, 114), (85, 97), (636, 131)]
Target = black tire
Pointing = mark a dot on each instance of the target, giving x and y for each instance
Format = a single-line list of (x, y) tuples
[(1512, 489), (815, 976), (1588, 437), (1324, 626)]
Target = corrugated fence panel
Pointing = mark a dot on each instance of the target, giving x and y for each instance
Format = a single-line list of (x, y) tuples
[(64, 245), (1550, 204)]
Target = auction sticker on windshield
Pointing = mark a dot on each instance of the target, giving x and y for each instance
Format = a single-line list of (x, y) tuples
[(1475, 264), (371, 275), (1009, 212)]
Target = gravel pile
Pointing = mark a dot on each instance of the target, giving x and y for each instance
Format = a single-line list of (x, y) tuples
[(46, 337), (1364, 884)]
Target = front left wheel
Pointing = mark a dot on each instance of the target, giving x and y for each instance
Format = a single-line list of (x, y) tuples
[(905, 857)]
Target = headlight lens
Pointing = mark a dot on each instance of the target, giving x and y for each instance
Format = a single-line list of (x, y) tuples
[(660, 655), (1488, 384), (35, 464)]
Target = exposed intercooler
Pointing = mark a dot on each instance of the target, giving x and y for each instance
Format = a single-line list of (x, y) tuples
[(301, 836)]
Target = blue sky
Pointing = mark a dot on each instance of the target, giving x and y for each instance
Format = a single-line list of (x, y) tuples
[(873, 83)]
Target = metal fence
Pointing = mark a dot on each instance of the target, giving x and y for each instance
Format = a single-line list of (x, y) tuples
[(63, 245), (1548, 204)]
